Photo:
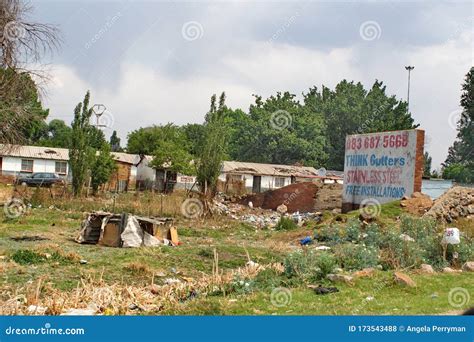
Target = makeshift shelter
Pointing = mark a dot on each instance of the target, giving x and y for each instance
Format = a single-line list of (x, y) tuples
[(127, 230)]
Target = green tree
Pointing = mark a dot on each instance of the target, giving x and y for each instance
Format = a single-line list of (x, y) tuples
[(102, 168), (459, 164), (115, 142), (22, 117), (58, 134), (214, 147), (350, 109), (96, 137), (81, 154), (147, 140), (427, 165), (172, 155)]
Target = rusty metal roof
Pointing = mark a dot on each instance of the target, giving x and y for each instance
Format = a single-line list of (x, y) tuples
[(125, 157), (34, 152), (268, 169)]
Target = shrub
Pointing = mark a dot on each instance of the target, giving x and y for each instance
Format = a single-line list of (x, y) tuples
[(354, 256), (309, 265), (27, 257), (286, 223), (332, 234)]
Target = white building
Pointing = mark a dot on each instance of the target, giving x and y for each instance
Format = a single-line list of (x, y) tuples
[(261, 177), (16, 160)]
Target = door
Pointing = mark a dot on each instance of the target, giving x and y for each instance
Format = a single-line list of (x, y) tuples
[(257, 184)]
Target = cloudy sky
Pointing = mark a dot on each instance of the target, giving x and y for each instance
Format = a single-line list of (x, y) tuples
[(153, 62)]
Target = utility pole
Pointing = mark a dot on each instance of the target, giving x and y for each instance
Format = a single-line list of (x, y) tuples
[(98, 110), (409, 68)]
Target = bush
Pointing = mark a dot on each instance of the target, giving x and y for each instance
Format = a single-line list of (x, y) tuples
[(354, 257), (332, 234), (286, 223), (309, 265), (27, 257)]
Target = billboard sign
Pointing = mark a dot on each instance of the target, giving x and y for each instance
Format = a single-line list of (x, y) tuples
[(382, 167)]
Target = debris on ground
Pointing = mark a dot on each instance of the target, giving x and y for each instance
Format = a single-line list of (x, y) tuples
[(457, 202), (451, 237), (417, 204), (322, 290), (259, 217), (28, 238), (126, 230)]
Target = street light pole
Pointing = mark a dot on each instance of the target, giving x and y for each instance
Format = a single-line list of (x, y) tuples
[(409, 68), (98, 110)]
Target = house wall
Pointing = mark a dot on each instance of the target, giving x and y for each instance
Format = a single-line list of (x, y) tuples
[(12, 166), (267, 182), (120, 179)]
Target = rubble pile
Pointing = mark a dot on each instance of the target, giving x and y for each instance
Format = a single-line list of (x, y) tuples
[(457, 202), (296, 197), (260, 218), (417, 204)]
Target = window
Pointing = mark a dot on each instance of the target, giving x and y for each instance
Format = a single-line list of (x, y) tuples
[(61, 167), (26, 165), (279, 182)]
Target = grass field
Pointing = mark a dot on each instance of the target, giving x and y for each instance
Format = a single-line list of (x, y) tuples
[(51, 265)]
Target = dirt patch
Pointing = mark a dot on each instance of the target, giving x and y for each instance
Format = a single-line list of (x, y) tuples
[(297, 197), (417, 204)]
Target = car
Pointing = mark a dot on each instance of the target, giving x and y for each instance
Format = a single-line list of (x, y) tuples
[(45, 179)]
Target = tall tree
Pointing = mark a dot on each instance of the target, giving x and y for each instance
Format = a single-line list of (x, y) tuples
[(427, 165), (22, 117), (115, 142), (102, 167), (81, 153), (23, 46), (214, 147), (459, 164), (58, 134)]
